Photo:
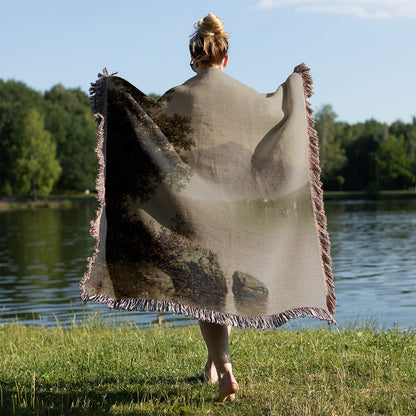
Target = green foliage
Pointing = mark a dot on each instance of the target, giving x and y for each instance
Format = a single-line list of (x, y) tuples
[(100, 369), (33, 165), (408, 133), (368, 156), (15, 100), (154, 96), (332, 154), (69, 119), (72, 133), (394, 163), (360, 171)]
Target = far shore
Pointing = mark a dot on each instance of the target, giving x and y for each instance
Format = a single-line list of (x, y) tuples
[(66, 201), (344, 195), (62, 201)]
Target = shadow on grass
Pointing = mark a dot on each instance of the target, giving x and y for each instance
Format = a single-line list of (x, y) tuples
[(100, 396)]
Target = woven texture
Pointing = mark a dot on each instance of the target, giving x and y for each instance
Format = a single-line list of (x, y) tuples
[(210, 203)]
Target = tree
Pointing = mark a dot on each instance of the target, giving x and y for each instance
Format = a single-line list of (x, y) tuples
[(408, 132), (332, 154), (154, 96), (34, 166), (15, 99), (394, 164), (361, 142), (69, 119)]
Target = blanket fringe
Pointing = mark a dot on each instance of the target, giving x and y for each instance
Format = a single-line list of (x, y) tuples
[(98, 103), (245, 322), (316, 189)]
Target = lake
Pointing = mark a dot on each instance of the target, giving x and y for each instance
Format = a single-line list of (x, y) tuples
[(43, 257)]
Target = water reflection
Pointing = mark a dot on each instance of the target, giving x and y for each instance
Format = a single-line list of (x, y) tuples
[(43, 257)]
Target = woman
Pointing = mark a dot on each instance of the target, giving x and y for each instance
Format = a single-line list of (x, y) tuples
[(211, 203), (209, 49)]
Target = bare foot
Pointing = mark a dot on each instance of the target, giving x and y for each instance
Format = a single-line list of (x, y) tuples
[(209, 374), (228, 388)]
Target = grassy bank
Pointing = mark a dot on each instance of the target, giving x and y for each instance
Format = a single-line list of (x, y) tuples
[(65, 201), (341, 195), (9, 203), (100, 369)]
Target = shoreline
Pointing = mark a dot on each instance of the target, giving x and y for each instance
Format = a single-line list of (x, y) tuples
[(67, 201), (346, 195), (61, 201)]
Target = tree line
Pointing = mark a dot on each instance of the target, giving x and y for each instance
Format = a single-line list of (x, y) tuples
[(47, 143), (47, 140), (368, 156)]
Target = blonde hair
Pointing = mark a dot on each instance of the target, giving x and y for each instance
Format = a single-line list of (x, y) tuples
[(209, 42)]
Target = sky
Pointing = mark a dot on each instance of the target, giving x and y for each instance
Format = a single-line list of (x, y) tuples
[(361, 53)]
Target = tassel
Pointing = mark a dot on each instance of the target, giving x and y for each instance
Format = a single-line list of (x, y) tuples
[(316, 189)]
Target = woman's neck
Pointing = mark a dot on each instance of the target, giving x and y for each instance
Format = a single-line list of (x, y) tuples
[(202, 68)]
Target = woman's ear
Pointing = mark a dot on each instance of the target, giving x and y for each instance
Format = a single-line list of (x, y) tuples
[(225, 61)]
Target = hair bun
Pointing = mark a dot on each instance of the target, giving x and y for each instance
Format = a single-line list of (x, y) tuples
[(211, 25)]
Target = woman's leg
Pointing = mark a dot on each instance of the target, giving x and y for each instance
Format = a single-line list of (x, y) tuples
[(209, 373), (216, 339)]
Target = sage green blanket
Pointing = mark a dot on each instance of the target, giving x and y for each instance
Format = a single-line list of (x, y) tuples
[(210, 202)]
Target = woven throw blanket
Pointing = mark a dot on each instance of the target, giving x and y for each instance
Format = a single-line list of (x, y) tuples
[(210, 202)]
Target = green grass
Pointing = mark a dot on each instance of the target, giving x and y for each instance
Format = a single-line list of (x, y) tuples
[(104, 369)]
